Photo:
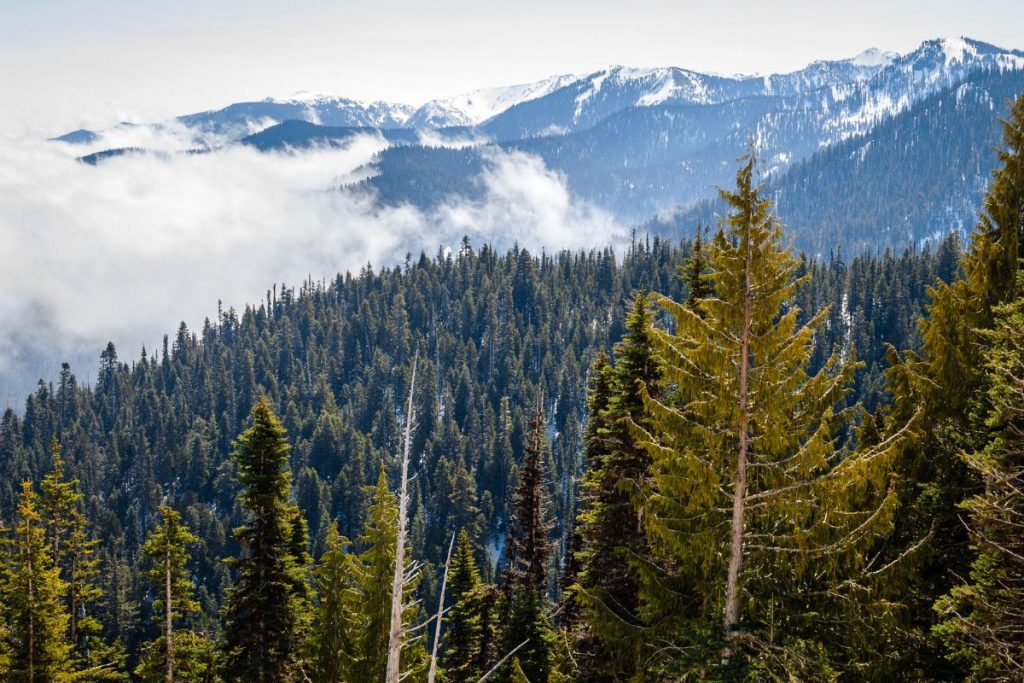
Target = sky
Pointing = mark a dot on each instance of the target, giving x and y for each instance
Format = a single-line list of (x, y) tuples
[(67, 63)]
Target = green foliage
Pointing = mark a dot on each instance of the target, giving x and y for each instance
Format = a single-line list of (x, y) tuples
[(465, 658), (368, 605), (945, 388), (528, 556), (614, 539), (32, 591), (263, 621), (749, 475), (166, 554), (981, 619), (333, 630)]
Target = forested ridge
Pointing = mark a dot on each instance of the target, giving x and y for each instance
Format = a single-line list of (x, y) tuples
[(613, 451)]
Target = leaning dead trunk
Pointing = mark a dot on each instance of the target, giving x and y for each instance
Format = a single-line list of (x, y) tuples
[(395, 634), (432, 673)]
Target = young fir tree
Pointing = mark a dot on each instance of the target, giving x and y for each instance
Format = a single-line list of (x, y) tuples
[(753, 506), (983, 619), (333, 631), (263, 618), (37, 647), (528, 551), (695, 272), (74, 554), (943, 389), (369, 605), (464, 660), (614, 539), (177, 655)]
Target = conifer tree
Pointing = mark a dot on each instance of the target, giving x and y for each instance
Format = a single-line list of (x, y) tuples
[(333, 631), (942, 387), (370, 606), (74, 554), (614, 538), (752, 503), (263, 617), (173, 656), (983, 619), (695, 272), (464, 643), (528, 554), (32, 591)]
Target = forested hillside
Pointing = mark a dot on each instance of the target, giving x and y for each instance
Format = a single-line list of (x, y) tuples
[(712, 460)]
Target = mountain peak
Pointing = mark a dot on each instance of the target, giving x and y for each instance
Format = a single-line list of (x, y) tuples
[(874, 57)]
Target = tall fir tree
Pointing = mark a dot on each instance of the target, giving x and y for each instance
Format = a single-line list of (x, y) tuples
[(177, 655), (943, 388), (753, 504), (263, 634), (528, 554), (613, 535), (982, 619), (32, 590)]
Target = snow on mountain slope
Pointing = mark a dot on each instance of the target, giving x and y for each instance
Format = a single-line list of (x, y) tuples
[(474, 108)]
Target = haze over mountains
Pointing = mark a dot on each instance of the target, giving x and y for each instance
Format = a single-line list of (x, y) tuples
[(641, 143), (861, 154)]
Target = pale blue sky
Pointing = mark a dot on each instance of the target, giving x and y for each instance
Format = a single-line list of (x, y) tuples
[(65, 63)]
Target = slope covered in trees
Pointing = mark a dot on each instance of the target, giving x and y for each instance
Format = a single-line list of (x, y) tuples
[(765, 522)]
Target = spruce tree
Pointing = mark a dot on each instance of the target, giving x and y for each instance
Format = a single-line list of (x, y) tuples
[(32, 591), (528, 552), (983, 618), (263, 616), (173, 656), (753, 505)]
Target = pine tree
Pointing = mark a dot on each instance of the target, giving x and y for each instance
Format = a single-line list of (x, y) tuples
[(982, 619), (528, 554), (752, 504), (263, 617), (614, 538), (173, 656), (333, 631), (32, 591)]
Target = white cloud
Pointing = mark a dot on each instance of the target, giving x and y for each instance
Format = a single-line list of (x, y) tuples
[(126, 249)]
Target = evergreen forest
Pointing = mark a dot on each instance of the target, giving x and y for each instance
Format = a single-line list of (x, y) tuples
[(708, 458)]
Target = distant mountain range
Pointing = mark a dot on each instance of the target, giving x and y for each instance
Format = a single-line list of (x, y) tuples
[(657, 142)]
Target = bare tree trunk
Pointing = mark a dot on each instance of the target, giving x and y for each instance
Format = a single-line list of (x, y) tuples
[(168, 617), (432, 673), (739, 494), (395, 636)]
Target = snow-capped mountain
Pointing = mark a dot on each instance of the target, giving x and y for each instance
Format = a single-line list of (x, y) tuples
[(472, 109), (244, 118), (643, 142)]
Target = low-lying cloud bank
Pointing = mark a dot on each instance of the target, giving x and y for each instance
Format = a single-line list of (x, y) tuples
[(125, 250)]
